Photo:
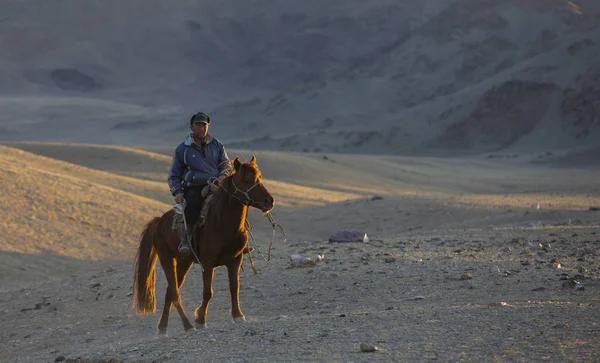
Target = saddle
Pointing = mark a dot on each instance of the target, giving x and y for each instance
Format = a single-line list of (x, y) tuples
[(178, 217)]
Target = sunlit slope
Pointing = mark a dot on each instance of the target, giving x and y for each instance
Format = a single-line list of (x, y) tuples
[(293, 179), (57, 208), (120, 160), (317, 179)]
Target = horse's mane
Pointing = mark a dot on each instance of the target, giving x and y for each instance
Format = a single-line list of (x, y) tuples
[(218, 203)]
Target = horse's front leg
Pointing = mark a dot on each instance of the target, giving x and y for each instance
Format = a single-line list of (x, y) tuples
[(233, 271), (207, 280)]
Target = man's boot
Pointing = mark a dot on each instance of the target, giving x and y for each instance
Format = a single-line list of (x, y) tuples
[(184, 245)]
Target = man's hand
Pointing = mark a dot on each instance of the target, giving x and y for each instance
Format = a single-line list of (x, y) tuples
[(179, 198), (218, 180)]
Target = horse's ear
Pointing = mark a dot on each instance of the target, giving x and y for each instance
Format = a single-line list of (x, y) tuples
[(253, 160), (237, 164)]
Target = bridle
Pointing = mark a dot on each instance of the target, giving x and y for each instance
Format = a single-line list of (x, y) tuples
[(248, 201)]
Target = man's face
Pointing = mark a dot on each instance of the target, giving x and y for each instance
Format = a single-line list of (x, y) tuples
[(199, 129)]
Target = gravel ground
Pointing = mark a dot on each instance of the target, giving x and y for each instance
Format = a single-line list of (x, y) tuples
[(522, 294)]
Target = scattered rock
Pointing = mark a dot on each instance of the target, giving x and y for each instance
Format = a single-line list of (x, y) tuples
[(561, 325), (364, 347), (466, 277), (377, 197), (498, 304), (38, 306), (413, 259), (302, 261), (586, 251), (349, 235), (573, 284), (518, 241), (539, 289), (494, 269), (529, 224), (535, 246), (594, 209), (389, 260), (60, 358), (535, 206)]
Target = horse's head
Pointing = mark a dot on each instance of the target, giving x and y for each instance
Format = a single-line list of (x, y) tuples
[(248, 186)]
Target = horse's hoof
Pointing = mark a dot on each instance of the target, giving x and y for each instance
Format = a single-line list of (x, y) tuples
[(162, 335), (201, 326), (239, 320)]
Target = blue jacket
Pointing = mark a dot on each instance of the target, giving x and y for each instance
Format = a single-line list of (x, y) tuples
[(194, 165)]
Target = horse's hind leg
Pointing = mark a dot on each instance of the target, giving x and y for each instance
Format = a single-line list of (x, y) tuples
[(168, 266), (207, 280), (172, 295), (182, 269), (233, 271)]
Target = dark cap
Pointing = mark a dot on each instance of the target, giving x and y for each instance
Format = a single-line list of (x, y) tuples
[(200, 117)]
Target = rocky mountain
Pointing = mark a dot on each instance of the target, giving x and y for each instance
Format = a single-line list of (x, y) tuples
[(433, 76)]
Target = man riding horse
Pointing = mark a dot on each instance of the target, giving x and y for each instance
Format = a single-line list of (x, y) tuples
[(199, 159)]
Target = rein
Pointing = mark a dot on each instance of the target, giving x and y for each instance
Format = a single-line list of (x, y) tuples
[(249, 202)]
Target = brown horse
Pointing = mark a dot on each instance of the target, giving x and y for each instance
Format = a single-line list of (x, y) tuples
[(220, 241)]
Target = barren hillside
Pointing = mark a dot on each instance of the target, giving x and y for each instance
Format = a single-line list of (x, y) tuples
[(380, 77)]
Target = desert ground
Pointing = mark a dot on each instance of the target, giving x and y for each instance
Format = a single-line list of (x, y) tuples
[(468, 259)]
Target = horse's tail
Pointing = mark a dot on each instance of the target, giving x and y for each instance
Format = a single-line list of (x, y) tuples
[(144, 276)]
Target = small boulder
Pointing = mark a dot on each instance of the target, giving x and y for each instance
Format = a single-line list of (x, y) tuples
[(349, 235), (367, 348)]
